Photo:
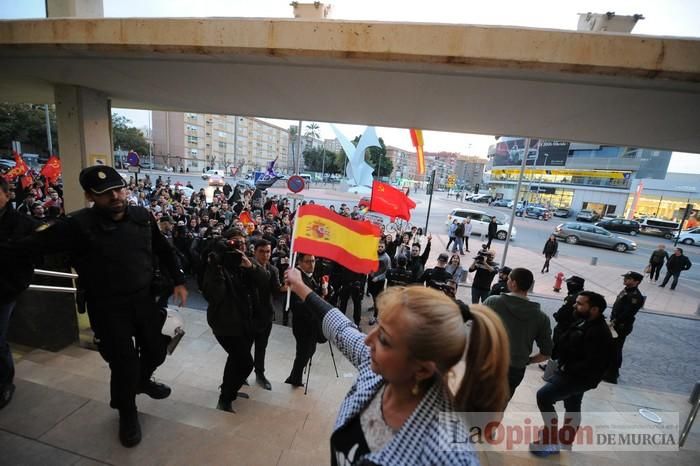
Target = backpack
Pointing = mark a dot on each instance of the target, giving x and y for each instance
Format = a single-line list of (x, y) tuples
[(459, 231)]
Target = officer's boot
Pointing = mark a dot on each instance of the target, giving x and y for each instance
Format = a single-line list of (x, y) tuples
[(129, 428)]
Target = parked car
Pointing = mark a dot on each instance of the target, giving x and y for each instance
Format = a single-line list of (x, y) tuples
[(659, 227), (503, 203), (480, 222), (206, 175), (620, 225), (534, 212), (583, 233), (562, 212), (690, 237), (587, 216)]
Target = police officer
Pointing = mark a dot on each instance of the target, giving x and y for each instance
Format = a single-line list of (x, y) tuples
[(565, 315), (501, 286), (112, 247), (399, 275), (626, 306)]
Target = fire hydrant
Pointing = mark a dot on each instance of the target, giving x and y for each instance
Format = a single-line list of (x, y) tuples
[(558, 279)]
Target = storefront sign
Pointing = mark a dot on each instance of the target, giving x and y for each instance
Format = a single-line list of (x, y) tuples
[(543, 190)]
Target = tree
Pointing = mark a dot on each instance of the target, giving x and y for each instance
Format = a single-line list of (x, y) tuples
[(126, 137), (312, 131), (313, 161), (26, 123), (376, 157)]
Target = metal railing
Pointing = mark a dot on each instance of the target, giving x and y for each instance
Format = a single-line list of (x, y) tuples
[(54, 289)]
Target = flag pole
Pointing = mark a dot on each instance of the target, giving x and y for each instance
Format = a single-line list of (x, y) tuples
[(292, 256)]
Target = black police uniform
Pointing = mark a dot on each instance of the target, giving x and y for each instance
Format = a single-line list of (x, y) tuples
[(626, 306), (115, 264), (399, 276)]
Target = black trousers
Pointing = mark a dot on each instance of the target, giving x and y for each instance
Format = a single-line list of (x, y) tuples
[(305, 337), (668, 276), (547, 258), (260, 339), (374, 288), (488, 244), (515, 376), (355, 293), (613, 371), (655, 271), (129, 338), (239, 363), (479, 295)]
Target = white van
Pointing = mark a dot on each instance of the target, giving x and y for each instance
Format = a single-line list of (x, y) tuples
[(480, 222), (658, 227)]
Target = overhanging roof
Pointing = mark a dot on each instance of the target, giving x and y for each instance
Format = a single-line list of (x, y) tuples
[(618, 89)]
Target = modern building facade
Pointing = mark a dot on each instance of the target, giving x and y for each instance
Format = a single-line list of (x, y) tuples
[(195, 141), (469, 171), (573, 175)]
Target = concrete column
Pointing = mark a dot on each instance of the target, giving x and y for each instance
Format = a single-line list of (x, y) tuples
[(85, 136), (74, 9)]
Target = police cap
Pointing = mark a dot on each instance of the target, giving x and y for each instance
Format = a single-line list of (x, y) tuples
[(634, 275), (575, 279), (99, 179)]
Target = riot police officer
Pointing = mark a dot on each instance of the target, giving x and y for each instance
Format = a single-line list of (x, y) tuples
[(112, 246), (626, 306)]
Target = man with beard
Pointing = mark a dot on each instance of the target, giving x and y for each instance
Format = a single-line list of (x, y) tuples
[(376, 280), (584, 354), (266, 281), (112, 248)]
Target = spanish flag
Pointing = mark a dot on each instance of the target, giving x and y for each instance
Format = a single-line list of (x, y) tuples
[(417, 140), (351, 243)]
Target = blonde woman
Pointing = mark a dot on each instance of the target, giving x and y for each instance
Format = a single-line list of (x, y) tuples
[(392, 413)]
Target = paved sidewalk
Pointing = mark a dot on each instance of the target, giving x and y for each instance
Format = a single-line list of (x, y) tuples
[(603, 279)]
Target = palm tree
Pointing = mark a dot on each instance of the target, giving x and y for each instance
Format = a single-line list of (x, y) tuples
[(312, 130)]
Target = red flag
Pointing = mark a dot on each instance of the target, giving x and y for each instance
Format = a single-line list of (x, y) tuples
[(245, 218), (351, 243), (20, 168), (274, 210), (26, 181), (52, 169), (390, 201)]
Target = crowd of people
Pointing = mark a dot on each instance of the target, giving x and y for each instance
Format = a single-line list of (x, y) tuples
[(235, 246)]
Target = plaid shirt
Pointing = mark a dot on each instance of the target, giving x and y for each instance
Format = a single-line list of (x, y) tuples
[(422, 439)]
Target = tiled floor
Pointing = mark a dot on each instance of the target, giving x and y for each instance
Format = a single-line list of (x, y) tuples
[(60, 413)]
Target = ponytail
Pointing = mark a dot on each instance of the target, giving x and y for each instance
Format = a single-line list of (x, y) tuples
[(484, 387)]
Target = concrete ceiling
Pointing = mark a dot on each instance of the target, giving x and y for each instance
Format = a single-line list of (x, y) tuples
[(616, 89)]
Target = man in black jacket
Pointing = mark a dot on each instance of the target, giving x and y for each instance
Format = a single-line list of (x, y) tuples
[(584, 353), (675, 264), (565, 315), (267, 284), (227, 286), (493, 231), (305, 327), (112, 246), (501, 286), (13, 280), (351, 286), (437, 276)]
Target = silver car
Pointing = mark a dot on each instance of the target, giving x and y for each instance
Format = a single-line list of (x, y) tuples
[(585, 233)]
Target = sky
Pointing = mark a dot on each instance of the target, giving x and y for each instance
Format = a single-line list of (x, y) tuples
[(664, 18)]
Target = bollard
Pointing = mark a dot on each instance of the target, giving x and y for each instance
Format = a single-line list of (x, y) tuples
[(594, 260)]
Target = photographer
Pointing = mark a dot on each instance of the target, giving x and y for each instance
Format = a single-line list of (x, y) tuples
[(226, 287), (485, 269), (437, 276)]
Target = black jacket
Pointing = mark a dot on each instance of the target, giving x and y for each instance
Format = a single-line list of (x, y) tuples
[(550, 248), (15, 277), (500, 287), (629, 301), (230, 304), (658, 257), (676, 264), (493, 229), (585, 350)]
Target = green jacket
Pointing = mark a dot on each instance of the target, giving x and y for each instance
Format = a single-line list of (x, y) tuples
[(525, 323)]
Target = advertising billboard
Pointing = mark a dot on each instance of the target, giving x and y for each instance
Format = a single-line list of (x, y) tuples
[(541, 153)]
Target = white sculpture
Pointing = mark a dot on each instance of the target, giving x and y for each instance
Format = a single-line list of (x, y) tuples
[(358, 171)]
